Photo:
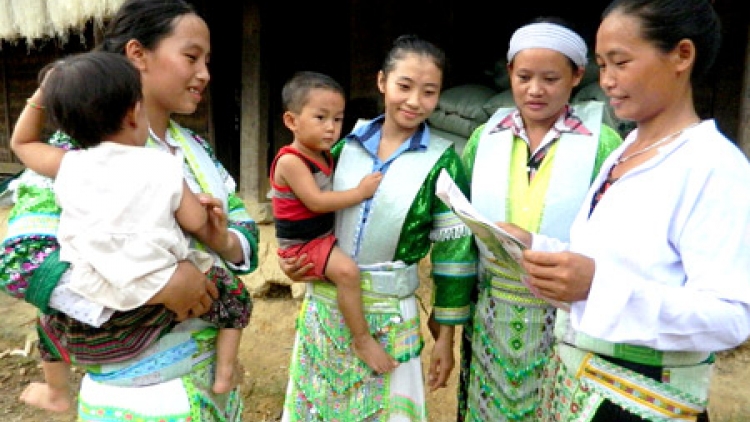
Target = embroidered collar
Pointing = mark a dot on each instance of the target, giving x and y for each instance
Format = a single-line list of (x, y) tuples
[(568, 122)]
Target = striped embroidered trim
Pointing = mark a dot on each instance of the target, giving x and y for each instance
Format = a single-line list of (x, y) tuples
[(516, 294), (192, 159), (638, 393), (454, 269), (33, 224), (405, 406), (447, 226), (89, 413), (452, 315)]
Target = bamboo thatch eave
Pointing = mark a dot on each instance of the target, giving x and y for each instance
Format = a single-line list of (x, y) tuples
[(42, 19)]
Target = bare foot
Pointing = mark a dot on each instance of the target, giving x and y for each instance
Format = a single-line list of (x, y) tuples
[(41, 395), (373, 354), (228, 377)]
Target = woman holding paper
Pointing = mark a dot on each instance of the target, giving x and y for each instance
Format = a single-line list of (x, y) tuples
[(657, 265), (531, 165)]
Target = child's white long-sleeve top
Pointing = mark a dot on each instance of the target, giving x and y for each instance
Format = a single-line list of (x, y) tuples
[(671, 245)]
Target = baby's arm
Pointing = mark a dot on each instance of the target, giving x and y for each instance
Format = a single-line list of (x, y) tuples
[(293, 172), (26, 140), (207, 221), (191, 215)]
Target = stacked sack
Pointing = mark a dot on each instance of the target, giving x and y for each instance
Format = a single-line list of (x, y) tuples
[(462, 108)]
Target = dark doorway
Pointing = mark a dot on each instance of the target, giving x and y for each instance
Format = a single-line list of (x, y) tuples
[(224, 99), (302, 36)]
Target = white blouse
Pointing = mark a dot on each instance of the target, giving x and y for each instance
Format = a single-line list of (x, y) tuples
[(671, 243)]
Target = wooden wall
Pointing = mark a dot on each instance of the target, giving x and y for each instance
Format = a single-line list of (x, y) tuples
[(257, 45), (19, 67), (20, 64)]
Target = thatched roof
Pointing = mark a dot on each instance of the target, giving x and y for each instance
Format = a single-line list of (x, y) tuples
[(34, 19)]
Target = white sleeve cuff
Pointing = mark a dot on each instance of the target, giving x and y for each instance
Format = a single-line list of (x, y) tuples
[(540, 242), (246, 253)]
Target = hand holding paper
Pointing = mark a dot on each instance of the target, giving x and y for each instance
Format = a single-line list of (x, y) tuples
[(505, 247), (502, 244)]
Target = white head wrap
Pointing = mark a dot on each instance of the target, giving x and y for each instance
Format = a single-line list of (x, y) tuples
[(549, 35)]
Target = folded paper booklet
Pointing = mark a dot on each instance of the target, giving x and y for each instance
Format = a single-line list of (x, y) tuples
[(505, 247), (502, 244)]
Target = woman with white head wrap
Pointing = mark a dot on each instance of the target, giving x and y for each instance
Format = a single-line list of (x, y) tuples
[(530, 165)]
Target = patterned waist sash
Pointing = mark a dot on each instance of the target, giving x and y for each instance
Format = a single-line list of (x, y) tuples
[(382, 284), (506, 285), (394, 279), (173, 356), (680, 396), (631, 353)]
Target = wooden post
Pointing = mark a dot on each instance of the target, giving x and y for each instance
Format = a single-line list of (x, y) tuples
[(743, 134), (254, 117), (6, 100)]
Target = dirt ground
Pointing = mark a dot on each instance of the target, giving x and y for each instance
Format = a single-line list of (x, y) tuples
[(265, 350)]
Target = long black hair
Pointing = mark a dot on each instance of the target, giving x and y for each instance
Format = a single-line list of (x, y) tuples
[(146, 21), (665, 23)]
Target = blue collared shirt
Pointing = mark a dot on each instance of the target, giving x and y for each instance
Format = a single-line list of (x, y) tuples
[(369, 136)]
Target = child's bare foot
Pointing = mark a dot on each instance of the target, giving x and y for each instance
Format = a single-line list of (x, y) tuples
[(228, 377), (373, 354), (41, 395)]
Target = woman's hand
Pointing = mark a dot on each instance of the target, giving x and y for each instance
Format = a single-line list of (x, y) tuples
[(442, 360), (562, 276), (433, 326), (517, 232), (188, 293), (296, 268)]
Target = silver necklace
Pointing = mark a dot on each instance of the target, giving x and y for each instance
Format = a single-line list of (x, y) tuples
[(655, 144)]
